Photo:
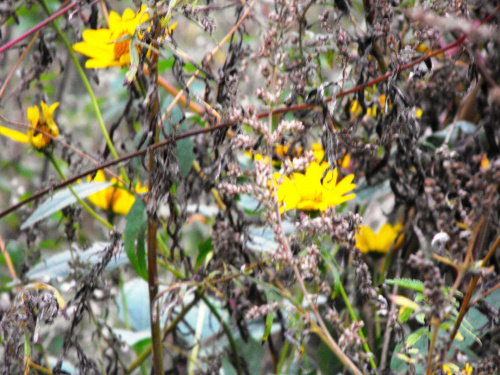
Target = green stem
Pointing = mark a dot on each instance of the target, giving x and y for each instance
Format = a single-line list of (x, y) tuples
[(145, 354), (87, 208), (124, 301), (89, 89), (351, 313), (361, 334), (284, 353), (228, 333)]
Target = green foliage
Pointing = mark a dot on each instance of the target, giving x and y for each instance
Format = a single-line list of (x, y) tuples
[(135, 238)]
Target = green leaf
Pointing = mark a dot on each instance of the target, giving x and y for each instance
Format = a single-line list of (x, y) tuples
[(329, 58), (269, 325), (185, 155), (63, 198), (204, 248), (134, 61), (413, 338), (136, 230), (407, 283), (405, 315)]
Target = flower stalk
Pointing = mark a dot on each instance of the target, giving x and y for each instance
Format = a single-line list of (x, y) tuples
[(89, 90), (84, 204)]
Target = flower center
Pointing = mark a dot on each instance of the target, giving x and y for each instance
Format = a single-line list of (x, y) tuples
[(121, 48)]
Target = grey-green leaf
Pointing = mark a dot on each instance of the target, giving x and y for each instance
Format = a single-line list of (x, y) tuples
[(63, 198), (58, 265), (136, 230)]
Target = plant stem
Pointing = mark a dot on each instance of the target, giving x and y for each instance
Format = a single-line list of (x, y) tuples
[(360, 332), (142, 357), (153, 114), (227, 331), (89, 90), (84, 204)]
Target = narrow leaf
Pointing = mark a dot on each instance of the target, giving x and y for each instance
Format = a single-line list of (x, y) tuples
[(63, 198), (204, 248), (136, 229), (269, 325)]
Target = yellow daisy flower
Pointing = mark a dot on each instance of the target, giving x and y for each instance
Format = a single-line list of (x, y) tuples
[(367, 241), (39, 123), (104, 46), (312, 192), (114, 198)]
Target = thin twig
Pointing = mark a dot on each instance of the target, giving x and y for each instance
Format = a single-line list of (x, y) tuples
[(18, 62), (211, 54), (6, 255), (41, 25)]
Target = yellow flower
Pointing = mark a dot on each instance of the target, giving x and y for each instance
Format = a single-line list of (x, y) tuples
[(319, 155), (318, 151), (44, 123), (485, 163), (311, 191), (467, 370), (368, 241), (104, 46), (115, 197)]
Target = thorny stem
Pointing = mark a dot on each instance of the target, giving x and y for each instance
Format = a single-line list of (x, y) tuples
[(89, 90), (228, 333), (84, 204)]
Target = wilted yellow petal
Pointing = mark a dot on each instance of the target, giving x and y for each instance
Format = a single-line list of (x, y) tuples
[(101, 46), (403, 301), (14, 135)]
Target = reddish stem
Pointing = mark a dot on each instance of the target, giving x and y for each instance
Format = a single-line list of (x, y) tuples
[(41, 25)]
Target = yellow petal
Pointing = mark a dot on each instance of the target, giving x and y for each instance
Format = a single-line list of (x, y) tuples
[(114, 20), (33, 116), (309, 189), (14, 135), (385, 238), (344, 163), (172, 28), (123, 203), (287, 193), (308, 205), (99, 64), (318, 151), (128, 14), (99, 36), (365, 239)]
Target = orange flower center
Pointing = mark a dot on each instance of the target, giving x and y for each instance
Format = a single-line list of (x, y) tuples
[(121, 48), (42, 127)]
